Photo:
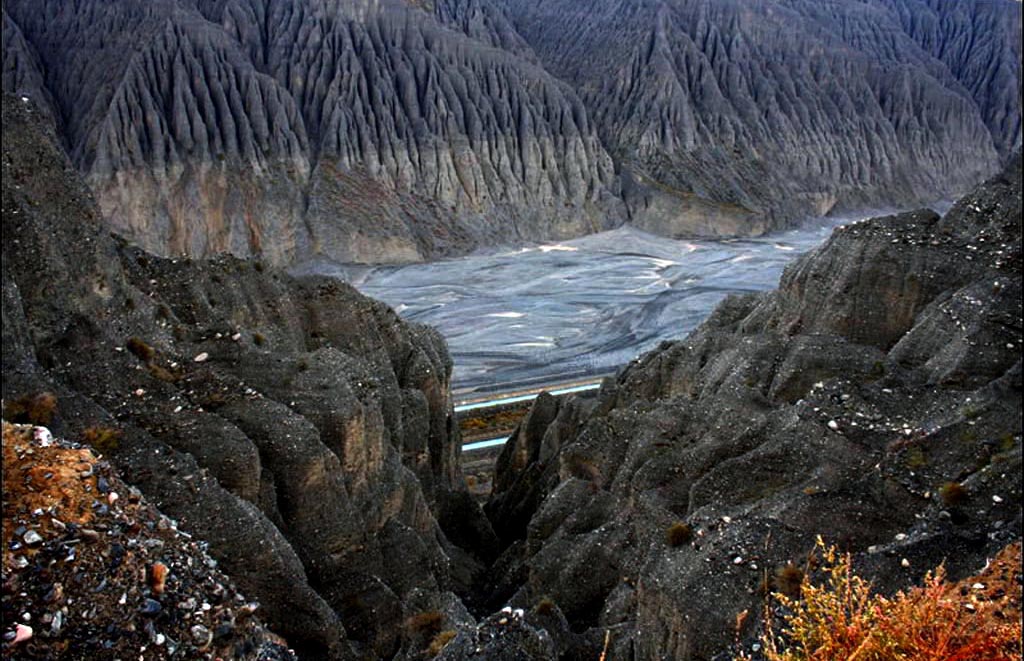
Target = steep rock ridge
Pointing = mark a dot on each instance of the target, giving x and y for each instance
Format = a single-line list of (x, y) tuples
[(886, 365), (358, 131), (755, 113), (300, 428), (468, 127), (988, 67), (188, 148), (22, 73)]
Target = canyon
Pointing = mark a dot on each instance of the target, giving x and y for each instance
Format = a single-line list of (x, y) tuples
[(365, 131), (663, 205), (306, 433)]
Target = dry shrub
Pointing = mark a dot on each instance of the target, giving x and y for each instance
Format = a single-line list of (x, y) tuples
[(141, 349), (426, 624), (545, 607), (34, 409), (162, 373), (842, 619), (953, 494), (788, 580), (439, 642), (678, 534), (104, 439)]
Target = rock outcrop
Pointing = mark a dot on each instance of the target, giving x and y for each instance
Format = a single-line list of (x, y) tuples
[(393, 131), (873, 399), (299, 428)]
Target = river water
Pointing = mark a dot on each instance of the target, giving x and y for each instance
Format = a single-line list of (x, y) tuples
[(564, 311)]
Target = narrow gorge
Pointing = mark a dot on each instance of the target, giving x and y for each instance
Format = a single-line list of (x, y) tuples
[(306, 433), (260, 257)]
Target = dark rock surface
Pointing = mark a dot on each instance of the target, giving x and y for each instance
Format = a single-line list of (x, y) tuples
[(394, 131), (886, 365), (301, 429)]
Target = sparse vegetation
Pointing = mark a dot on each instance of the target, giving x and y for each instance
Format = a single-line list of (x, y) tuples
[(214, 401), (787, 580), (842, 619), (104, 439), (915, 458), (163, 312), (426, 624), (141, 349), (162, 373), (953, 494), (678, 534), (32, 409), (440, 641), (545, 607), (584, 469), (971, 412)]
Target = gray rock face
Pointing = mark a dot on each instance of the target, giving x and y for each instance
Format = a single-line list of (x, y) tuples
[(390, 131), (299, 428), (775, 110), (887, 364), (358, 131)]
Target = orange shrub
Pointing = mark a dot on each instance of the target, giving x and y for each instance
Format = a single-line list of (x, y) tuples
[(841, 619)]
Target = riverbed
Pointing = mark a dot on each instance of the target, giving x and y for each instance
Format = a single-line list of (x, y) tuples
[(562, 312)]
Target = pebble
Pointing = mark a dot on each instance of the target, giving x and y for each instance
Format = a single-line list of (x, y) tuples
[(43, 436), (997, 499), (57, 623), (201, 636), (150, 607), (22, 632), (202, 358), (833, 425), (158, 577), (32, 537), (904, 562)]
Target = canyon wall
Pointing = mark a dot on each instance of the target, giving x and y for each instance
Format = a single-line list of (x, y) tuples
[(392, 131)]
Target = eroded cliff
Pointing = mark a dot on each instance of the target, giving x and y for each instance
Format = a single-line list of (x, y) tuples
[(393, 131)]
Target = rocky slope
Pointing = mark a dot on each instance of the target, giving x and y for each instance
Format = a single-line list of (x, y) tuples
[(873, 399), (299, 428), (91, 570), (395, 131)]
